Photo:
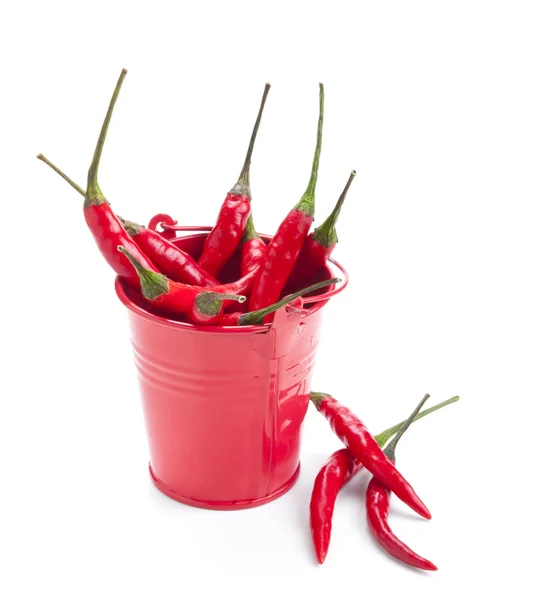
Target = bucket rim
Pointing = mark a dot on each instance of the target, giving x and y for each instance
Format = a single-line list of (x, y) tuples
[(319, 301)]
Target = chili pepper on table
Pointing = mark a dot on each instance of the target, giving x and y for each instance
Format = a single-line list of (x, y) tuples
[(226, 234), (258, 316), (100, 218), (357, 438), (284, 249), (377, 503), (339, 469), (202, 306), (170, 260), (319, 244)]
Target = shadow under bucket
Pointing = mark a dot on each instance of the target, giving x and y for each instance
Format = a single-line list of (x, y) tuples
[(223, 406)]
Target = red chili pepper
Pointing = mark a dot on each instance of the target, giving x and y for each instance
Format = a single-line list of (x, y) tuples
[(101, 220), (284, 249), (253, 248), (319, 245), (170, 260), (339, 469), (224, 238), (356, 437), (240, 287), (377, 502), (258, 316), (199, 305)]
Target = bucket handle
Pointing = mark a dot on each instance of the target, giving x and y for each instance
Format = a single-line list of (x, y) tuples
[(168, 230)]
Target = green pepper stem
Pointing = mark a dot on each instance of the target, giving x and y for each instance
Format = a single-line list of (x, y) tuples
[(65, 177), (242, 186), (326, 234), (307, 202), (130, 227), (256, 317), (390, 450), (383, 437), (152, 284), (249, 230), (211, 303), (94, 194)]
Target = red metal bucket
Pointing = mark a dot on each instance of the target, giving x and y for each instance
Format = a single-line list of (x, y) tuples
[(223, 406)]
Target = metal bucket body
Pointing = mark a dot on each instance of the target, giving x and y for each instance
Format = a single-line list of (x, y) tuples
[(223, 406)]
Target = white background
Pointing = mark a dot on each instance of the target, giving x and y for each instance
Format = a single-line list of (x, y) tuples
[(440, 108)]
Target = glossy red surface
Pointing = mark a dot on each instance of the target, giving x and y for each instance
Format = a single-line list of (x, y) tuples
[(223, 405)]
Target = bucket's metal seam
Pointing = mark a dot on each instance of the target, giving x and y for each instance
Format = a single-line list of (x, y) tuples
[(274, 422)]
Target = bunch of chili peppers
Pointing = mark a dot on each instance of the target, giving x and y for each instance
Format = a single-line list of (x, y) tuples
[(199, 289), (363, 450), (272, 274)]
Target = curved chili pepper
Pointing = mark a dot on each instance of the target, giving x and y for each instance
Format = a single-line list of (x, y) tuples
[(199, 305), (224, 238), (284, 249), (101, 220), (339, 469), (170, 260), (377, 502), (258, 316), (319, 244), (356, 437), (253, 248)]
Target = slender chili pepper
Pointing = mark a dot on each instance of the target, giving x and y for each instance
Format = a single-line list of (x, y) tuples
[(199, 305), (224, 238), (319, 245), (253, 248), (170, 260), (339, 469), (377, 502), (258, 316), (356, 437), (284, 249), (101, 220)]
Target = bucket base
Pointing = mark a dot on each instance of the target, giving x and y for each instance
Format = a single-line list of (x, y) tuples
[(225, 504)]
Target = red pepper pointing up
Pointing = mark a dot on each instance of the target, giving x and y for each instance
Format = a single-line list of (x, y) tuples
[(319, 244), (101, 220), (171, 260), (287, 243), (224, 238), (253, 248)]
